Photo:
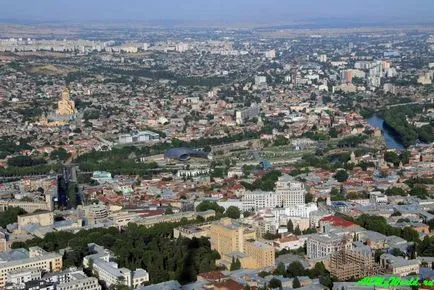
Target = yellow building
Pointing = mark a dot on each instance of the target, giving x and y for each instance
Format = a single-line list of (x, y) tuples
[(227, 237), (65, 106), (262, 254), (233, 240)]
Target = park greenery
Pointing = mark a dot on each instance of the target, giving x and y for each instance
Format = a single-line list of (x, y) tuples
[(296, 269), (380, 225), (232, 212), (395, 120), (266, 182), (135, 246), (31, 170), (25, 161), (9, 146), (59, 154), (10, 216)]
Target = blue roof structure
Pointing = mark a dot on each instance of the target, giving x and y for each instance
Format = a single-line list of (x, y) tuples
[(183, 153)]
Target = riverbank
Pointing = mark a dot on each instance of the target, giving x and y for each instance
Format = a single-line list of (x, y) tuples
[(390, 138)]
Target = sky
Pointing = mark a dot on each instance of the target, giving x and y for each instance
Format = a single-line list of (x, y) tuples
[(261, 11)]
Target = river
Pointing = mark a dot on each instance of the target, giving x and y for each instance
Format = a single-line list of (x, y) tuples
[(391, 142)]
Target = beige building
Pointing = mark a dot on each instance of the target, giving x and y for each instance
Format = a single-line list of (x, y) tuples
[(37, 259), (234, 240), (108, 270), (192, 231), (355, 263), (227, 237), (65, 106), (3, 242), (398, 265), (29, 207), (263, 255), (42, 218)]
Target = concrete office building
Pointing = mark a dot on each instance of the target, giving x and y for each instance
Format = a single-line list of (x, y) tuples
[(88, 283), (36, 258), (144, 136), (109, 271), (257, 200), (399, 266), (323, 245), (41, 218), (289, 191)]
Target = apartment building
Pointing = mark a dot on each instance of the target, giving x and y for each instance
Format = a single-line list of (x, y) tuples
[(234, 240), (88, 283), (109, 271), (323, 245), (263, 254), (257, 200), (289, 191), (399, 266), (227, 237), (36, 258), (71, 279)]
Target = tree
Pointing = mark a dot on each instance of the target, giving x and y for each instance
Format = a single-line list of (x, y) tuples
[(207, 205), (280, 141), (308, 197), (25, 161), (297, 231), (295, 269), (233, 212), (269, 236), (59, 154), (72, 195), (392, 157), (326, 281), (396, 213), (318, 270), (333, 133), (341, 175), (290, 226), (395, 191), (296, 283), (397, 252), (280, 269), (235, 265), (419, 191), (247, 213), (10, 216), (275, 283), (377, 255), (168, 210)]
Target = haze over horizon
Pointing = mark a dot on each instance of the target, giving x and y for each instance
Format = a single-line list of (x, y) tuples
[(252, 11)]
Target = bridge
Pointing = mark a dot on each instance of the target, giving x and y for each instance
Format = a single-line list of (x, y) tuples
[(411, 103)]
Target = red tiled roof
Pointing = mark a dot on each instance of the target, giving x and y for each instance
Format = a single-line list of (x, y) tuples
[(337, 221), (229, 285), (212, 276)]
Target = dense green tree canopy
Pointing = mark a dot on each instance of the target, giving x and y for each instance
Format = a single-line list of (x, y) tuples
[(136, 246), (341, 175), (233, 212), (207, 205), (10, 216)]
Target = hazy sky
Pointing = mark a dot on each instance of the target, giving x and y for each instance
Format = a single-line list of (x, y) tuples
[(220, 10)]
